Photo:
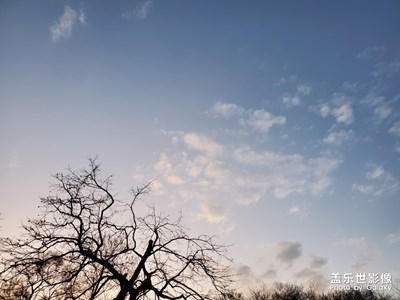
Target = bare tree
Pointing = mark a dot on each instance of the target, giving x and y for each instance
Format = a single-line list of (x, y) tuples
[(86, 244)]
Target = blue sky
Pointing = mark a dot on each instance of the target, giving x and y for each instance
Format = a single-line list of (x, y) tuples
[(273, 124)]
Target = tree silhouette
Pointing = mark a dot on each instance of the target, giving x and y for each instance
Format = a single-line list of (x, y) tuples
[(87, 244)]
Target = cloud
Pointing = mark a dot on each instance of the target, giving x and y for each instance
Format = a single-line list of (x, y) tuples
[(393, 238), (337, 138), (262, 120), (370, 52), (363, 188), (339, 107), (300, 210), (258, 120), (304, 89), (363, 253), (203, 144), (324, 110), (343, 114), (62, 29), (395, 129), (386, 69), (291, 100), (287, 174), (270, 273), (288, 252), (13, 160), (285, 80), (397, 148), (164, 167), (317, 262), (227, 109), (380, 182), (382, 112), (141, 11), (213, 213), (307, 275), (245, 276)]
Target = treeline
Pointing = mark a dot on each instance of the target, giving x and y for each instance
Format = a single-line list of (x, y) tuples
[(289, 291)]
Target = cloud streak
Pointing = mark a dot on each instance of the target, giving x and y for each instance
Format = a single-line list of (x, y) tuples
[(62, 28), (140, 12)]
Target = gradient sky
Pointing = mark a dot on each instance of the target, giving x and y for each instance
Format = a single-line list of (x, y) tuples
[(274, 124)]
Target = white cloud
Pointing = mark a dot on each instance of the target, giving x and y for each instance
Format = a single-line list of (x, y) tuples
[(262, 120), (203, 144), (258, 120), (290, 100), (285, 80), (227, 109), (382, 112), (343, 114), (62, 29), (337, 138), (377, 173), (164, 167), (380, 182), (288, 252), (386, 69), (300, 210), (395, 129), (362, 188), (393, 238), (304, 89), (141, 11), (371, 52), (213, 213), (240, 175), (351, 86), (324, 110)]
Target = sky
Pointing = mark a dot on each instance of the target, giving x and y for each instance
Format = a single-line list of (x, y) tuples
[(273, 124)]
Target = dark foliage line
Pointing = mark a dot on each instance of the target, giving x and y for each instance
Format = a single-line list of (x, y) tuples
[(290, 291)]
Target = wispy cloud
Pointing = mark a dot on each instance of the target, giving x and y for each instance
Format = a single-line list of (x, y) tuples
[(395, 129), (380, 181), (304, 89), (62, 28), (262, 120), (294, 99), (140, 12), (13, 160), (370, 52), (203, 144), (227, 109), (339, 107), (393, 238), (338, 137), (237, 174), (361, 250), (259, 120), (213, 213)]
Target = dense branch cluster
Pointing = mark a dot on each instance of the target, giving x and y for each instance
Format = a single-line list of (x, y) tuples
[(88, 245)]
